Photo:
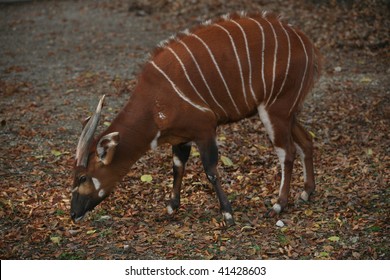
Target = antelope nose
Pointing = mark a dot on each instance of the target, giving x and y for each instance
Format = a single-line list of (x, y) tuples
[(73, 215)]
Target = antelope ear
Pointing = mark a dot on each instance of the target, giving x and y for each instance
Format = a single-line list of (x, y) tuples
[(106, 146)]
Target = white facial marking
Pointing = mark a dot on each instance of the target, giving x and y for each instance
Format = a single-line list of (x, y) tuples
[(101, 193), (177, 161), (282, 157), (96, 183), (305, 196), (169, 210), (277, 208), (154, 143), (264, 116), (75, 189)]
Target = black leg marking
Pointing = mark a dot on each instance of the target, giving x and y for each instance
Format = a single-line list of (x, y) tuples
[(209, 155), (181, 154)]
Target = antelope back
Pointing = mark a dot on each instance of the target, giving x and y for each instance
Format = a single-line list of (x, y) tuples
[(233, 64)]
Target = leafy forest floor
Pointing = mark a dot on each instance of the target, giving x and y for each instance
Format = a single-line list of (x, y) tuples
[(58, 57)]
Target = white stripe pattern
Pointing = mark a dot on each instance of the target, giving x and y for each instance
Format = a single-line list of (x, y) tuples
[(186, 74), (249, 59), (274, 64), (218, 69), (304, 73), (288, 63), (262, 54), (178, 91), (202, 76), (238, 62)]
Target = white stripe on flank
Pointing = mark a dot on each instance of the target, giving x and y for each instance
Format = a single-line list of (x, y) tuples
[(274, 64), (288, 63), (304, 73), (203, 77), (186, 74), (238, 62), (178, 91), (154, 143), (262, 55), (218, 69), (249, 60)]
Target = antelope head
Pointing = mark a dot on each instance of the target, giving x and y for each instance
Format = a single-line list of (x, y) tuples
[(92, 171)]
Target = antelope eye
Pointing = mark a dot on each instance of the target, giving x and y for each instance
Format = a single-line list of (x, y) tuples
[(82, 179)]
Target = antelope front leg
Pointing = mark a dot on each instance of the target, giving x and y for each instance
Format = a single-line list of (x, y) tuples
[(181, 153), (209, 155)]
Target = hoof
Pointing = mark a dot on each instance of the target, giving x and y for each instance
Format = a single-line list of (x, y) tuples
[(274, 211), (228, 219), (170, 210)]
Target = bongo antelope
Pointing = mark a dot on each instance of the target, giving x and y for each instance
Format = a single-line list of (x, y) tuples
[(219, 72)]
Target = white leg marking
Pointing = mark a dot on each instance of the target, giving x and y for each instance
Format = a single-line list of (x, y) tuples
[(101, 193), (282, 157), (304, 73), (177, 161), (262, 55), (96, 183), (218, 70), (277, 208), (203, 77), (238, 62), (288, 63), (264, 116), (178, 91), (169, 210), (154, 143), (274, 64), (302, 156), (227, 216), (305, 196)]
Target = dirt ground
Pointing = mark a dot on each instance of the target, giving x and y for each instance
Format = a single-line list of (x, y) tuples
[(58, 57)]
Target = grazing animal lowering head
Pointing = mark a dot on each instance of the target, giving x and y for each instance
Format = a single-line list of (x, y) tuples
[(92, 180), (219, 72)]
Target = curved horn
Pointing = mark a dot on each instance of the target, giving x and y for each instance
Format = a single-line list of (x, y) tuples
[(86, 136)]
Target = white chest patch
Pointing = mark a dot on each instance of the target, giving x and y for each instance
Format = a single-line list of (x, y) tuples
[(96, 183), (154, 143)]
